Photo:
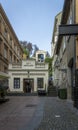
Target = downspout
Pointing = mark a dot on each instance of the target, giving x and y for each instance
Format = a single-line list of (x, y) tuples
[(74, 59)]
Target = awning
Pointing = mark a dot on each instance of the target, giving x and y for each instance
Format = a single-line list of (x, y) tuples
[(71, 29)]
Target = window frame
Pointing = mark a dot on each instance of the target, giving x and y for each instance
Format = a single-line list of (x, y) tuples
[(40, 82), (16, 83)]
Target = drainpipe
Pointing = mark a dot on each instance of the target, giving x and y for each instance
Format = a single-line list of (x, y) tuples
[(74, 59)]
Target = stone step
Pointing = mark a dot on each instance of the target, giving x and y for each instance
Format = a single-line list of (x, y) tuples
[(52, 91), (52, 95), (21, 94)]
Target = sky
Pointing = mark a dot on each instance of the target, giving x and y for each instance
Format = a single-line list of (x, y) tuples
[(33, 20)]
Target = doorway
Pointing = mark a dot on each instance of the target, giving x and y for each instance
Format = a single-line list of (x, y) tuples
[(28, 85)]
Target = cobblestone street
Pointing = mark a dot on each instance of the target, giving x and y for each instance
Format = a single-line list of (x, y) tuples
[(38, 113), (59, 115), (21, 113)]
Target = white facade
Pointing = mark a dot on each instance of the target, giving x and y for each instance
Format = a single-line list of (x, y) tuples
[(28, 71), (40, 55)]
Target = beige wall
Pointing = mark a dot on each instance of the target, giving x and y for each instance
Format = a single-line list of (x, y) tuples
[(76, 11), (6, 34)]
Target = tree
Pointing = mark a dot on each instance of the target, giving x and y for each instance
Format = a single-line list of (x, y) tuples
[(26, 52), (49, 61), (31, 48), (35, 48)]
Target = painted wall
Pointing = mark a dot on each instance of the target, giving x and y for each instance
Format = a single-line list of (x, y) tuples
[(77, 11), (21, 71)]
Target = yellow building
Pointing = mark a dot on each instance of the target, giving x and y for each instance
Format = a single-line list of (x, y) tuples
[(10, 48)]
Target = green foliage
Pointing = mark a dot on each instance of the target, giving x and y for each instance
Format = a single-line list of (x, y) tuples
[(49, 61), (25, 51), (30, 48)]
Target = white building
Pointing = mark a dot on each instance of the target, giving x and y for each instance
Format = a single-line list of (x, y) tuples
[(28, 76)]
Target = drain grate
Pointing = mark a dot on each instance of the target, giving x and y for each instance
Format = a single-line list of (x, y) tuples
[(31, 105)]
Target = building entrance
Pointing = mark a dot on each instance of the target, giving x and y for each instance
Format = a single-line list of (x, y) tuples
[(28, 85)]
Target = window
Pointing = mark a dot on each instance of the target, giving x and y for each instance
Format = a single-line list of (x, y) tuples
[(55, 39), (61, 51), (65, 40), (5, 32), (5, 69), (40, 82), (5, 51), (14, 59), (41, 57), (10, 57), (10, 40), (18, 51), (64, 43), (70, 19), (16, 83)]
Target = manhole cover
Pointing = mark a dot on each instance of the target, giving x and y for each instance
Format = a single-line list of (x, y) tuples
[(31, 105)]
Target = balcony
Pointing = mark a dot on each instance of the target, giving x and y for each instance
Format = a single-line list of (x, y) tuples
[(3, 75)]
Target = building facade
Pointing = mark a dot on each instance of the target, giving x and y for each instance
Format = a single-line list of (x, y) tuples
[(67, 51), (31, 75), (55, 72), (41, 55), (10, 48)]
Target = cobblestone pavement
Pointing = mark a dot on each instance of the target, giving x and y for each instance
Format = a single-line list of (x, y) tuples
[(38, 113), (59, 115), (21, 113)]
